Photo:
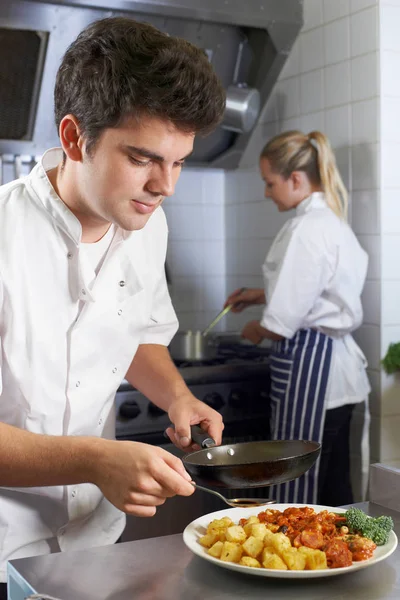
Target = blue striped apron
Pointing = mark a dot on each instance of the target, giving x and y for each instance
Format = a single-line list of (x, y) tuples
[(299, 378)]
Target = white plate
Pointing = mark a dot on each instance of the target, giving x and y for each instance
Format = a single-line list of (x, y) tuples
[(197, 528)]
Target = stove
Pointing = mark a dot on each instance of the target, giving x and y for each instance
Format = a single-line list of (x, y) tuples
[(235, 383)]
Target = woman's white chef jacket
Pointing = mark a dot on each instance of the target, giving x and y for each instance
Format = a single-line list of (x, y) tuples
[(314, 274), (60, 368)]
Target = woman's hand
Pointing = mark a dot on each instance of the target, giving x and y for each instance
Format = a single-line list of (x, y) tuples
[(253, 332), (243, 298), (256, 333)]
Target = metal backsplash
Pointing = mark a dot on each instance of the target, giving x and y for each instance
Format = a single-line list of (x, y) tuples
[(247, 44)]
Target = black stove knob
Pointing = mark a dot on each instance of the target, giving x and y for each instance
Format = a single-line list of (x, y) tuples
[(237, 399), (129, 409), (155, 410), (214, 400)]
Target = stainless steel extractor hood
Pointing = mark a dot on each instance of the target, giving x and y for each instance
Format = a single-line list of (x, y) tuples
[(247, 41)]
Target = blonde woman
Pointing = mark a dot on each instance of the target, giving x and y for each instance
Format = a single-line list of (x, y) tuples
[(313, 274)]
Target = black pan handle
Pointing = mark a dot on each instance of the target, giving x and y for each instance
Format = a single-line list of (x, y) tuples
[(201, 437)]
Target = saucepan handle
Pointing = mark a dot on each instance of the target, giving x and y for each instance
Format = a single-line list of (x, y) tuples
[(201, 437)]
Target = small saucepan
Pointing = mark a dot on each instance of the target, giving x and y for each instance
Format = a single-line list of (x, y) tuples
[(197, 345), (192, 346), (249, 464)]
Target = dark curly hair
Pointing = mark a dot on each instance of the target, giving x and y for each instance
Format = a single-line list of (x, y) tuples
[(118, 68)]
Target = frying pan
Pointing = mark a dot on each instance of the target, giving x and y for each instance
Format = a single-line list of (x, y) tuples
[(249, 464)]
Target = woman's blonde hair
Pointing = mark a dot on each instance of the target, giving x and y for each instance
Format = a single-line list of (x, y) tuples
[(295, 151)]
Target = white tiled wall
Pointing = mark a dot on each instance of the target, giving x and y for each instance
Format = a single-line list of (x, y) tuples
[(196, 249), (390, 221), (343, 77), (334, 84)]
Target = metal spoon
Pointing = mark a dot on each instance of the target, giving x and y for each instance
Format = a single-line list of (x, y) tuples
[(236, 502), (41, 597), (219, 316)]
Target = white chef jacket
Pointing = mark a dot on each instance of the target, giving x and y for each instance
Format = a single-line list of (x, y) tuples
[(60, 366), (314, 274)]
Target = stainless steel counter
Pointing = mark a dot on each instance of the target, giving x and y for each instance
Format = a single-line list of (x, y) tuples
[(163, 569)]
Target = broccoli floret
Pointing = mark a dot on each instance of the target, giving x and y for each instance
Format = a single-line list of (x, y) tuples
[(385, 522), (375, 532), (376, 529), (356, 519)]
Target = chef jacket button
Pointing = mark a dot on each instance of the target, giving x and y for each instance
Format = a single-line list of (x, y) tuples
[(78, 383), (100, 421), (73, 494), (69, 255), (122, 283), (120, 312), (115, 370), (83, 291)]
